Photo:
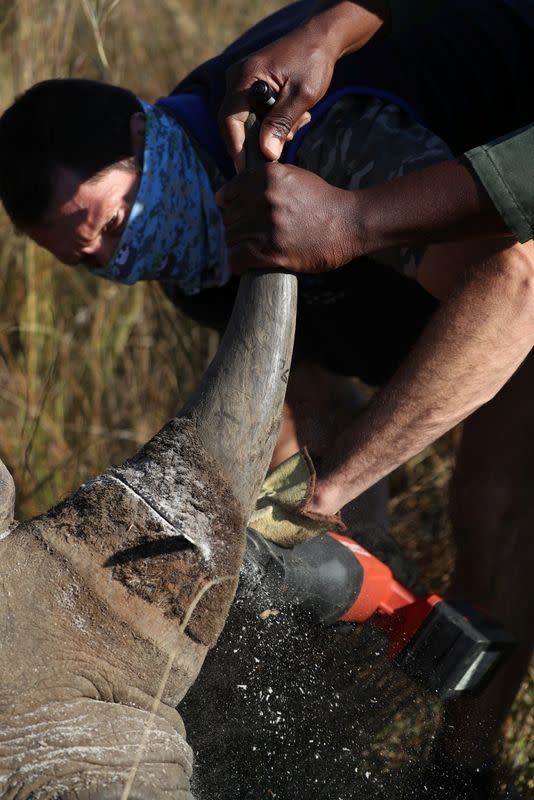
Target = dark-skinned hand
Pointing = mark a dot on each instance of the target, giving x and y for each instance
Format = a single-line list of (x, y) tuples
[(298, 72), (283, 217), (298, 67)]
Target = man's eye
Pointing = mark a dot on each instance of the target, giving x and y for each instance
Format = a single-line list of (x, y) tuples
[(113, 223)]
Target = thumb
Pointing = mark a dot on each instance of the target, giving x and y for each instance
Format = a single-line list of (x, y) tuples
[(284, 118)]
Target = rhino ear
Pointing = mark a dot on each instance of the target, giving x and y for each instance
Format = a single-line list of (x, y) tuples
[(7, 498)]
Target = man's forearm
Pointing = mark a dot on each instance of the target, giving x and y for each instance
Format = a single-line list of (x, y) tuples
[(444, 202), (471, 347), (351, 24), (286, 217), (346, 25)]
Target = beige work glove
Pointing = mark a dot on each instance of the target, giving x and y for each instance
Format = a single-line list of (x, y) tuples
[(281, 513)]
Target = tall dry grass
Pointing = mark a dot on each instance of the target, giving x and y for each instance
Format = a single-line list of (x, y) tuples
[(89, 370)]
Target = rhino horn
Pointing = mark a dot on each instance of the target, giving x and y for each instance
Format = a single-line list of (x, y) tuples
[(237, 406)]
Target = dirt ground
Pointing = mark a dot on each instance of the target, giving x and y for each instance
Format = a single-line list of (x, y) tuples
[(312, 713)]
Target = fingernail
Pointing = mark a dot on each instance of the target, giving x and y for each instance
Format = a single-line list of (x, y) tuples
[(274, 146)]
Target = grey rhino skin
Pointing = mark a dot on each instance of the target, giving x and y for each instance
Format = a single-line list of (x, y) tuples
[(110, 600)]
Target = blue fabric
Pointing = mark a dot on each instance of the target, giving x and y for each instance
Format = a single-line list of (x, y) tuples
[(175, 230), (468, 72), (192, 112)]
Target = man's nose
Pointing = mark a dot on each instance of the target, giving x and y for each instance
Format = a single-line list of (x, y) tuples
[(103, 251)]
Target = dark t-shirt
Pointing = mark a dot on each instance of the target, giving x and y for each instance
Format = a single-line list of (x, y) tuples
[(468, 70), (465, 67)]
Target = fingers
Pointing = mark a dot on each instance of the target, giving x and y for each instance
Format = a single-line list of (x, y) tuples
[(235, 107), (246, 220), (246, 188), (225, 196), (266, 219), (300, 123), (233, 115), (286, 116), (244, 257), (241, 204), (279, 126), (294, 97)]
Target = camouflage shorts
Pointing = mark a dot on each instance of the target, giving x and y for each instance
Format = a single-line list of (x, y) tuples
[(363, 141)]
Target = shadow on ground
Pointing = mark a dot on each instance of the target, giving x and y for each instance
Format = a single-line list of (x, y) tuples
[(286, 710)]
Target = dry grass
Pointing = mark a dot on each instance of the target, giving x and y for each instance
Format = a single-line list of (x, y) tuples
[(89, 370)]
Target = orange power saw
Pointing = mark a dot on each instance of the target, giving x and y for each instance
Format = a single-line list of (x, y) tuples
[(445, 644)]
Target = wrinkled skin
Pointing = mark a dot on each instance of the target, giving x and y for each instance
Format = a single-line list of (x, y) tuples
[(87, 643), (110, 601), (283, 217)]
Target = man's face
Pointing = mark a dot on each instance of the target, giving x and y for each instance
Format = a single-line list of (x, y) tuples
[(86, 219)]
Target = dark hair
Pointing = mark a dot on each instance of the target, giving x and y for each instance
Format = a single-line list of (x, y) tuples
[(80, 125)]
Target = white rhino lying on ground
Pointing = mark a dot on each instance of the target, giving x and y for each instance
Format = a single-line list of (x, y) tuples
[(110, 601)]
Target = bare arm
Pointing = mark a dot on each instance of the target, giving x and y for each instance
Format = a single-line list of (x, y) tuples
[(443, 202), (472, 346), (283, 216)]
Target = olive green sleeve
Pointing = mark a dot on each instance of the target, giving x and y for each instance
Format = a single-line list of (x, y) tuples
[(407, 13), (505, 168)]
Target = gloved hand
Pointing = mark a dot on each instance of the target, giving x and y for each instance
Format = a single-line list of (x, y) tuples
[(281, 514)]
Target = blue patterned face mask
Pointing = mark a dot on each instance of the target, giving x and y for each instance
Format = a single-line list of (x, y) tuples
[(175, 231)]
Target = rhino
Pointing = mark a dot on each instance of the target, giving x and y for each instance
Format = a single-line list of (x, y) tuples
[(110, 600)]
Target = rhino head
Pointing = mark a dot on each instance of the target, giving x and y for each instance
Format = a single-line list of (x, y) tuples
[(110, 600)]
